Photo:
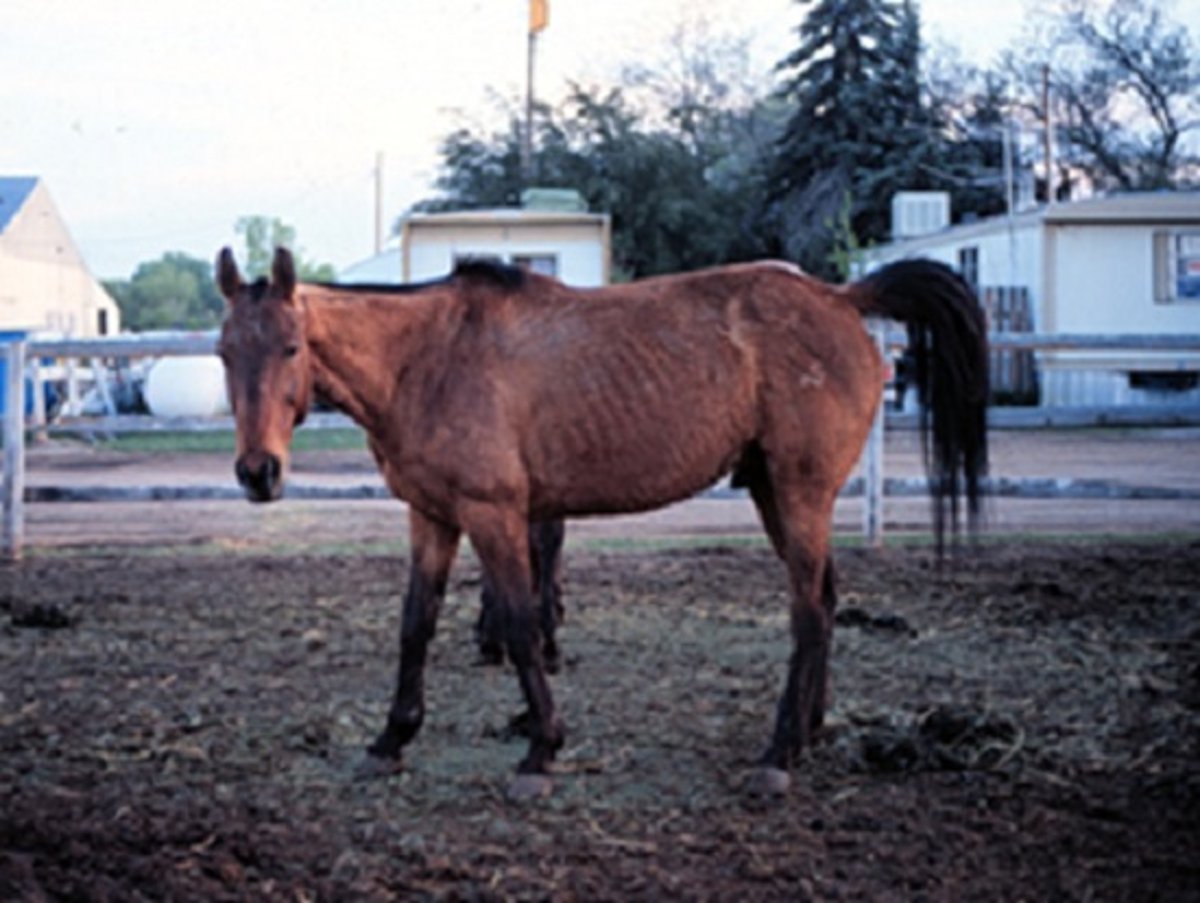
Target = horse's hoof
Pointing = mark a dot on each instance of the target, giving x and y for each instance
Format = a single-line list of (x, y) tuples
[(526, 787), (372, 767), (490, 657), (767, 781)]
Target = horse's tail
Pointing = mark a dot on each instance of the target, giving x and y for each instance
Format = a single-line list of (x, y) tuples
[(947, 340)]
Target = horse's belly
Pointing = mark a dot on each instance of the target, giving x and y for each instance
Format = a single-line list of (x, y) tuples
[(645, 471)]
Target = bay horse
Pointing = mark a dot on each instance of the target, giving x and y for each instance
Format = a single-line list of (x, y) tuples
[(495, 398)]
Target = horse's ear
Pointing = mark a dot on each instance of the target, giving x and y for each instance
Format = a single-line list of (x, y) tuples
[(228, 278), (283, 272)]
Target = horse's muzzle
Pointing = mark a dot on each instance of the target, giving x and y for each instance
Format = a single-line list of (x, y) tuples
[(261, 475)]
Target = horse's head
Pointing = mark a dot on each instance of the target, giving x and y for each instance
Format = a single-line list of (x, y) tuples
[(266, 357)]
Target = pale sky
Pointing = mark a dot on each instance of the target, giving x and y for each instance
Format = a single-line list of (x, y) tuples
[(156, 123)]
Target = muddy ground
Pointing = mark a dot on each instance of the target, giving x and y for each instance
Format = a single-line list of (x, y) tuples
[(184, 724)]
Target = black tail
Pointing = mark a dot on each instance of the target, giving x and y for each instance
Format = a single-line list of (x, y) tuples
[(947, 338)]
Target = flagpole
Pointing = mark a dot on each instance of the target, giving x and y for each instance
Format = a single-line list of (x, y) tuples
[(527, 138), (539, 16)]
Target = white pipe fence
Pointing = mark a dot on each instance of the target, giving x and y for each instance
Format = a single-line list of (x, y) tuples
[(873, 485)]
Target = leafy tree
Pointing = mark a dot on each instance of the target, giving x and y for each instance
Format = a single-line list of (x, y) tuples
[(175, 292), (262, 235), (677, 201), (973, 111), (1125, 90)]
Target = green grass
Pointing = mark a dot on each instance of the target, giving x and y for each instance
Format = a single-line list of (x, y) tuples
[(223, 441)]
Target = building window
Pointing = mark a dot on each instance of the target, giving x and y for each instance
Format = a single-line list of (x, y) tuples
[(968, 265), (546, 264), (1177, 266), (102, 322)]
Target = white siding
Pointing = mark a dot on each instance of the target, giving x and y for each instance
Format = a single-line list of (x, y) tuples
[(1085, 273), (44, 283), (579, 248)]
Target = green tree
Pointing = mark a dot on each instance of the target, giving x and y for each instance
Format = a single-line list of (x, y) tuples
[(261, 235), (175, 292), (858, 127), (677, 201)]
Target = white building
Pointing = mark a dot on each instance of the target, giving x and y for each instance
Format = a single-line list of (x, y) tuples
[(1121, 265), (571, 244), (45, 286)]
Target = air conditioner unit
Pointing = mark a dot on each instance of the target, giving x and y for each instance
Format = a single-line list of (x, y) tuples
[(919, 213)]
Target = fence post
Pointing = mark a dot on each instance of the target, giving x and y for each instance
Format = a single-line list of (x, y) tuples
[(14, 450), (873, 460)]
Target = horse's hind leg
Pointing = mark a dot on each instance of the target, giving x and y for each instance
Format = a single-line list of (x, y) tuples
[(489, 632), (799, 521), (753, 474), (829, 604), (433, 549), (545, 556)]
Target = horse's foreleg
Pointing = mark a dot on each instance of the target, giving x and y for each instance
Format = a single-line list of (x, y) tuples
[(500, 538), (545, 555), (433, 548)]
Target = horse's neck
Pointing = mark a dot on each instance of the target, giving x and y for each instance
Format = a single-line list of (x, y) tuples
[(358, 346)]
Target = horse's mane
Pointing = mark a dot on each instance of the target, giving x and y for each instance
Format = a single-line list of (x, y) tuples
[(480, 269), (382, 288), (488, 269)]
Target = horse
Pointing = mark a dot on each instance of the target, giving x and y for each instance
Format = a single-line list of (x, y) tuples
[(546, 540), (495, 398)]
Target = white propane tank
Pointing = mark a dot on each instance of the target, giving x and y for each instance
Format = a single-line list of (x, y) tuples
[(186, 387)]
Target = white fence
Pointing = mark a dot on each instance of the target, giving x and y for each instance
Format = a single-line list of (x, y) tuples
[(873, 486)]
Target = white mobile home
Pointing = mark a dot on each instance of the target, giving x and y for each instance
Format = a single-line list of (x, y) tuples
[(1120, 265), (574, 246), (45, 286)]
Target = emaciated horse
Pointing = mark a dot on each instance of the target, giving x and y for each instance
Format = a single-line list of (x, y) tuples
[(495, 398)]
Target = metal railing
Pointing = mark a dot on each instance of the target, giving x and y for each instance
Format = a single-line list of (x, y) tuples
[(873, 487)]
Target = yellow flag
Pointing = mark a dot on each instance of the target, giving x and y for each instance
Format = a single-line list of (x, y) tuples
[(539, 15)]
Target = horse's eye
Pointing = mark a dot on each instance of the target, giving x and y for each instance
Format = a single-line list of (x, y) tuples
[(291, 350)]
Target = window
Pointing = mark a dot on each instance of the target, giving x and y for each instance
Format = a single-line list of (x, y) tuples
[(968, 265), (102, 322), (1177, 266), (546, 264)]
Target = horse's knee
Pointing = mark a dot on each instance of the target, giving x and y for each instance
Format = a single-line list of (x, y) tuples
[(521, 639)]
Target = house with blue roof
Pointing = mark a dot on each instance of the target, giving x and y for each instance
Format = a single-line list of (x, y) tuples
[(45, 285)]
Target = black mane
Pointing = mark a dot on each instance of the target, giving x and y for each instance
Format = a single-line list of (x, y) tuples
[(383, 288), (488, 269), (482, 269)]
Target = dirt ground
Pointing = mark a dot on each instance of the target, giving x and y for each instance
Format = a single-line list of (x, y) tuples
[(185, 689)]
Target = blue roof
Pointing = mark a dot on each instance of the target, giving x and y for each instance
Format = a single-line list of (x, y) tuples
[(13, 192)]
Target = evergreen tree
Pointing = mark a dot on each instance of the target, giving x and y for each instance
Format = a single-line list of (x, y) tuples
[(858, 126)]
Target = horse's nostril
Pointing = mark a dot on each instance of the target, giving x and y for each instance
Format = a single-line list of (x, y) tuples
[(259, 474)]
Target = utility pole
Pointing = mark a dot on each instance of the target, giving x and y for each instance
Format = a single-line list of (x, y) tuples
[(379, 202), (1047, 136)]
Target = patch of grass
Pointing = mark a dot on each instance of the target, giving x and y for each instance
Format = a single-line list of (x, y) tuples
[(223, 441)]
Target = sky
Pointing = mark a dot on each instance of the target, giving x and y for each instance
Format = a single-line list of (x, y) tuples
[(156, 124)]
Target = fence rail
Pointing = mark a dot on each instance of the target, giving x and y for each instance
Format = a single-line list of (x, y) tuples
[(874, 486)]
